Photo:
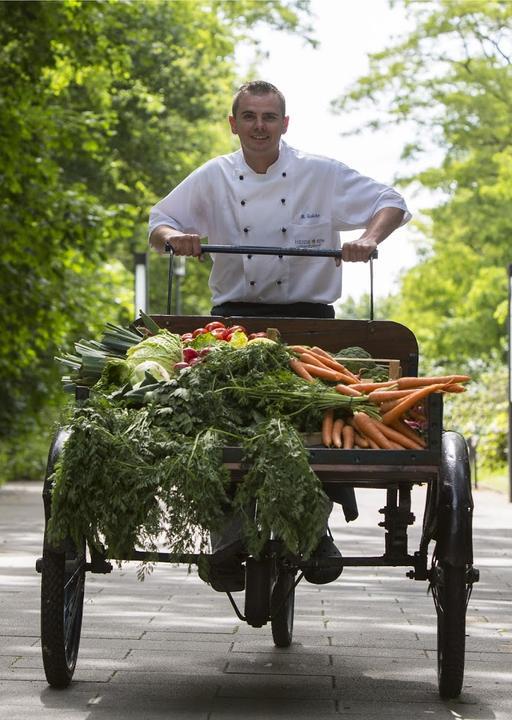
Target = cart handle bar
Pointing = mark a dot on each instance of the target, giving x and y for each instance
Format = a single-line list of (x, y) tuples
[(261, 250), (271, 250)]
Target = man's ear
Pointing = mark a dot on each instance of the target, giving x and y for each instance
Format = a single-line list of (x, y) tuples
[(286, 120), (232, 123)]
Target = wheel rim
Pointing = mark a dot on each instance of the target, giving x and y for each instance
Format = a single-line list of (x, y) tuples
[(72, 606)]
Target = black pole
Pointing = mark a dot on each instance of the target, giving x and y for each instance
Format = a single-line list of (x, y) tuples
[(510, 383)]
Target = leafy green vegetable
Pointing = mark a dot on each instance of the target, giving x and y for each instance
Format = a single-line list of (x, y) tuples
[(155, 369), (164, 349)]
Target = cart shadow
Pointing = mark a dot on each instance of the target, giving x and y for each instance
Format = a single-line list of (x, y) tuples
[(257, 696)]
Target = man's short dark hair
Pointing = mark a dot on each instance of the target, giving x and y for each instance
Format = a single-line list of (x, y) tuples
[(257, 87)]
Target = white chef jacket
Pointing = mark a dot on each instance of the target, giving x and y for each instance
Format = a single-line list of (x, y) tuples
[(302, 201)]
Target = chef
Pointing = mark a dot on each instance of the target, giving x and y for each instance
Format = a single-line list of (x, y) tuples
[(268, 193)]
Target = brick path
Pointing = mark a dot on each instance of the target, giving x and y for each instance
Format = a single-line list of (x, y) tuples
[(170, 647)]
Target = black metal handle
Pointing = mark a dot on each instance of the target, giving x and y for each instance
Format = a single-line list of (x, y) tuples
[(262, 250), (270, 250)]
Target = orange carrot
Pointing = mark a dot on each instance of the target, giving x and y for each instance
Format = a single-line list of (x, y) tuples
[(327, 424), (337, 429), (360, 441), (299, 368), (333, 363), (396, 436), (313, 359), (347, 390), (409, 402), (364, 425), (365, 387), (406, 430), (323, 373), (378, 396), (348, 437), (388, 405), (298, 348), (416, 382)]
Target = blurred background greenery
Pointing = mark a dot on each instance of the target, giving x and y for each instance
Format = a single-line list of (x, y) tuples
[(105, 106)]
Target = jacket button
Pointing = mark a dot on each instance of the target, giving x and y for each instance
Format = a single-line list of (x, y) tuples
[(283, 230), (283, 174), (246, 230), (252, 282), (242, 202), (279, 282), (240, 177), (283, 200), (249, 257)]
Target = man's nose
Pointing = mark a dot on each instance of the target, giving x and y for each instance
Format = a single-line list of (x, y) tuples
[(259, 121)]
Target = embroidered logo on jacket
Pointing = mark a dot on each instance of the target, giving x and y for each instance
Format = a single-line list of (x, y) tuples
[(309, 216)]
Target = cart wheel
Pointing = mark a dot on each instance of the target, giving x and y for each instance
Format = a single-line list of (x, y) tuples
[(62, 599), (258, 583), (282, 606), (449, 589)]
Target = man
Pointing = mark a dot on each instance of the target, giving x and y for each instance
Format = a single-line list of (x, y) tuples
[(269, 194)]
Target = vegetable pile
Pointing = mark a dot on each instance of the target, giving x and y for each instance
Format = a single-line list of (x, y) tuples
[(143, 462)]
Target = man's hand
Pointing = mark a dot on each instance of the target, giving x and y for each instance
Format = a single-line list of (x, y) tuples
[(359, 250), (181, 243)]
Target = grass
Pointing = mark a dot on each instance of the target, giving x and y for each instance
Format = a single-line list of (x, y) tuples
[(497, 480)]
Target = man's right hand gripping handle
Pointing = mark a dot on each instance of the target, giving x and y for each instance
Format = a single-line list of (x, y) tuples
[(181, 243)]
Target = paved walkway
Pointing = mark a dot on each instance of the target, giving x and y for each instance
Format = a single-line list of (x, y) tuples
[(172, 648)]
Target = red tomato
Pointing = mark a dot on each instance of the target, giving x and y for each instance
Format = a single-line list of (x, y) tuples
[(213, 325), (199, 331), (257, 335), (237, 328), (186, 336), (219, 333)]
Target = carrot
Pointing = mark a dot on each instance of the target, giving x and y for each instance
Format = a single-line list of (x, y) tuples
[(404, 428), (323, 373), (409, 402), (312, 359), (333, 363), (364, 425), (388, 405), (298, 348), (416, 382), (360, 441), (348, 437), (378, 396), (337, 429), (299, 368), (327, 424), (374, 445), (347, 390), (396, 436), (365, 387)]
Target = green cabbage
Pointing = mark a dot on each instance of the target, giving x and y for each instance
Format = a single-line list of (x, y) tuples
[(165, 348), (156, 370)]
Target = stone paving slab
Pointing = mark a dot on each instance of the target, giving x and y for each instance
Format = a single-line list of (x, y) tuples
[(364, 646)]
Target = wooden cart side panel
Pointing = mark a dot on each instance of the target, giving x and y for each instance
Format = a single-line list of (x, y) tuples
[(381, 338)]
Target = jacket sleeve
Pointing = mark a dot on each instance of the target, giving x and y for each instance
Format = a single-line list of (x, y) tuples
[(184, 208), (358, 198)]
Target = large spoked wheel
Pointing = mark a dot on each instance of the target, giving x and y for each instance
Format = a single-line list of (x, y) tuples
[(282, 606), (62, 599), (450, 597)]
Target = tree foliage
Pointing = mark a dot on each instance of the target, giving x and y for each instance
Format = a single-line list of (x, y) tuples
[(451, 79), (105, 106)]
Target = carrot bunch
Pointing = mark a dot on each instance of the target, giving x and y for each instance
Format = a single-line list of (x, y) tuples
[(398, 401), (317, 363)]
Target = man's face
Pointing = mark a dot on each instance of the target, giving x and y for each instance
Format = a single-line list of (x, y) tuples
[(259, 123)]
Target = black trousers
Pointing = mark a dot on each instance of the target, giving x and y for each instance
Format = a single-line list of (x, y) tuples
[(341, 494)]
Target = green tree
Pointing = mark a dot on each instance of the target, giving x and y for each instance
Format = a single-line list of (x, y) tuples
[(104, 106), (451, 79)]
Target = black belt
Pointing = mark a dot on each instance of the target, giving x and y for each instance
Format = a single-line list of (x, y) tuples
[(295, 310)]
